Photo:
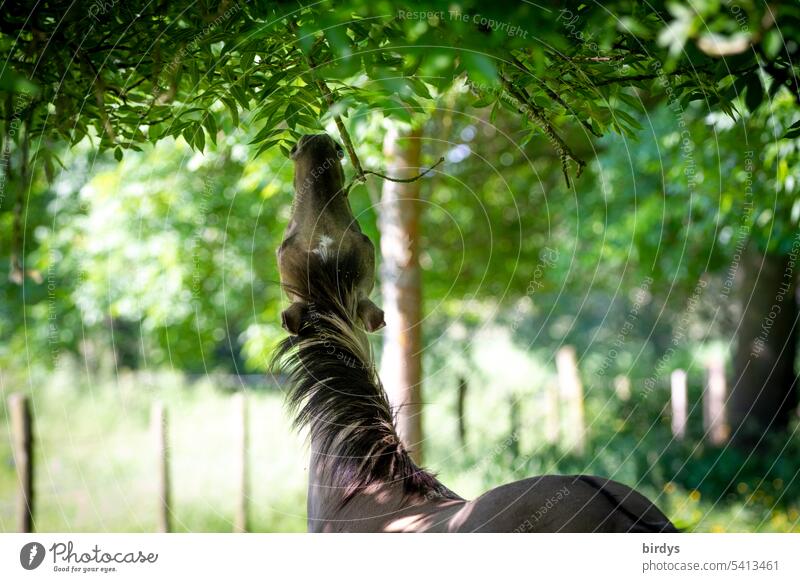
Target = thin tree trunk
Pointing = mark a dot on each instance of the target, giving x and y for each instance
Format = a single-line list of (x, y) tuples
[(158, 424), (678, 401), (571, 389), (714, 422), (240, 522), (399, 216), (763, 392), (622, 388), (461, 411), (22, 441), (552, 425), (514, 425)]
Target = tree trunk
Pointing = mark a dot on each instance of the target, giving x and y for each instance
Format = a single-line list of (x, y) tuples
[(398, 220), (571, 392), (19, 411), (763, 394), (461, 411)]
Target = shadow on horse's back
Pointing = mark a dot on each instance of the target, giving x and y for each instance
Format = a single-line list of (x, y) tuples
[(562, 503)]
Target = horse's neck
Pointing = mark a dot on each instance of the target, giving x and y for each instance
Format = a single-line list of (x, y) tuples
[(322, 496), (325, 505), (381, 507)]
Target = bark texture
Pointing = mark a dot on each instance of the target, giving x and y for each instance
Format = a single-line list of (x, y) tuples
[(763, 391), (401, 287)]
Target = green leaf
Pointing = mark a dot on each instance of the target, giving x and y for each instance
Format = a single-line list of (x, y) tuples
[(308, 121), (118, 154), (495, 110), (233, 109), (190, 111), (188, 137), (755, 92), (265, 146), (265, 133), (240, 96), (200, 138), (272, 84), (629, 120), (246, 60), (210, 124), (49, 168), (268, 110), (338, 41), (13, 82), (479, 67), (484, 101), (420, 88), (793, 131), (291, 118)]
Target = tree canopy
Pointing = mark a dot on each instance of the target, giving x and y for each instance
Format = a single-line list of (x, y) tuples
[(140, 71), (538, 87)]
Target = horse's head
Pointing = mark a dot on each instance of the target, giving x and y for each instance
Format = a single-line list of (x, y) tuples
[(323, 237), (318, 166)]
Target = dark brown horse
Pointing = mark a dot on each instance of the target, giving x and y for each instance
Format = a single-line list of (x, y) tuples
[(362, 479)]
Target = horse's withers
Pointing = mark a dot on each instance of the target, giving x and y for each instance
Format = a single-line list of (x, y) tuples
[(322, 223)]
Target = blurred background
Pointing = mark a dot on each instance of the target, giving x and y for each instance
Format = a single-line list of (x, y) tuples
[(601, 327)]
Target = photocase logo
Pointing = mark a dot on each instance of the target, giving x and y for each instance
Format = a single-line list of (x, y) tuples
[(31, 555)]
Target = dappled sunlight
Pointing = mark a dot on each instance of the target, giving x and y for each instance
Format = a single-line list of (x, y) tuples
[(368, 267)]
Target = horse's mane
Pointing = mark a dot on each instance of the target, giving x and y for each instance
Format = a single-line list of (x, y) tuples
[(334, 389)]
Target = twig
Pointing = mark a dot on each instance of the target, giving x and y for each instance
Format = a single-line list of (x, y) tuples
[(345, 135), (630, 79), (17, 271), (520, 99), (557, 98), (385, 177), (650, 76), (328, 95), (98, 88), (406, 180), (361, 173), (597, 59)]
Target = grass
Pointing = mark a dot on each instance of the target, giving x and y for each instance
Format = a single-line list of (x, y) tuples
[(95, 461)]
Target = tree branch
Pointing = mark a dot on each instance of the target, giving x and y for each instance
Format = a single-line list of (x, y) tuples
[(557, 98), (98, 88), (345, 135), (328, 96), (650, 76), (361, 173), (522, 101), (385, 177)]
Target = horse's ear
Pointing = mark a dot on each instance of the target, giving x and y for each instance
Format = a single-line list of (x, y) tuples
[(292, 317), (370, 315)]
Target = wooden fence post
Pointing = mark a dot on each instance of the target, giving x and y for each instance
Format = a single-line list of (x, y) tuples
[(552, 424), (461, 410), (714, 422), (240, 523), (22, 442), (622, 388), (572, 393), (514, 425), (678, 402), (158, 424)]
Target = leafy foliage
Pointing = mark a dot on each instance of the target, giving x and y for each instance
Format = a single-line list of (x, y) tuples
[(142, 71), (145, 186)]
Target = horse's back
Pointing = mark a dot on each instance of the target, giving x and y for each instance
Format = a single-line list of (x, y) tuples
[(562, 503)]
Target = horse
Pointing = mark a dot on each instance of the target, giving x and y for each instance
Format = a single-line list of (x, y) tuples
[(361, 476)]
